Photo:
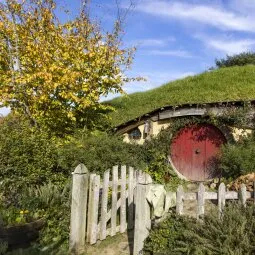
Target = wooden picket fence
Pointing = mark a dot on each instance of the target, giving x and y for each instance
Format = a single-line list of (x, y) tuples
[(221, 196), (119, 202), (102, 207)]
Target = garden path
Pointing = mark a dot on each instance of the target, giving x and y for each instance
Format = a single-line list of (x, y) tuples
[(117, 245)]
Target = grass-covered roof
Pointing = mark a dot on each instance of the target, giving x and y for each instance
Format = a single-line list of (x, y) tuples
[(221, 85)]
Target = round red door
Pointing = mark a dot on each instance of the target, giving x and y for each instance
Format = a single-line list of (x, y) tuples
[(194, 151)]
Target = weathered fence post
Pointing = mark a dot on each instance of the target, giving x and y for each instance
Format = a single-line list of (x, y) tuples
[(221, 198), (78, 209), (89, 213), (142, 212), (242, 195), (179, 200), (200, 200)]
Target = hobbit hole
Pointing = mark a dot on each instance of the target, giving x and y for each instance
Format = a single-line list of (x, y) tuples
[(193, 150), (224, 97)]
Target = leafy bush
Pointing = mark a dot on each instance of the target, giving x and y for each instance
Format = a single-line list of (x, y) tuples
[(52, 203), (163, 238), (158, 168), (28, 157), (32, 156), (238, 158), (233, 234), (15, 215), (241, 59), (98, 151), (49, 202)]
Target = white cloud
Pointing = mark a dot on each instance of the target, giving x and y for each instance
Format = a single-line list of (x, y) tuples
[(210, 15), (174, 53), (232, 47), (228, 46), (151, 42)]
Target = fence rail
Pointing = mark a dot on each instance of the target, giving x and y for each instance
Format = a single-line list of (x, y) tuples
[(221, 196)]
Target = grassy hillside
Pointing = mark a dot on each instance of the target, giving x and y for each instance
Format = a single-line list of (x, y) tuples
[(226, 84)]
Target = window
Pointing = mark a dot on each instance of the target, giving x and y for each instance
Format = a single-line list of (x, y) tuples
[(135, 134)]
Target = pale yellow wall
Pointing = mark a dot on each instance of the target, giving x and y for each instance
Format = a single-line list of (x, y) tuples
[(157, 126), (126, 139)]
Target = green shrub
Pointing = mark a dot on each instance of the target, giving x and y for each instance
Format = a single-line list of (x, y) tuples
[(28, 157), (233, 234), (51, 202), (156, 151), (241, 59), (15, 215), (164, 237), (238, 158), (98, 151)]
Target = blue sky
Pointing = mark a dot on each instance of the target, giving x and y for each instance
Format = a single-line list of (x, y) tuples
[(180, 38), (175, 39)]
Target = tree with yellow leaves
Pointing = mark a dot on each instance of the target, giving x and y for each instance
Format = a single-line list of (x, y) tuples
[(54, 72)]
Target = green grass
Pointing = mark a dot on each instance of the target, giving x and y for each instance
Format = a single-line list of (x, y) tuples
[(222, 85)]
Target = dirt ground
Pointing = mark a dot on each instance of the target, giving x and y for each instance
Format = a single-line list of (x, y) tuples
[(120, 244)]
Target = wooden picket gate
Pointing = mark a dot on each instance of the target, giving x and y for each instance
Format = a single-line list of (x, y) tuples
[(102, 207), (118, 210)]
